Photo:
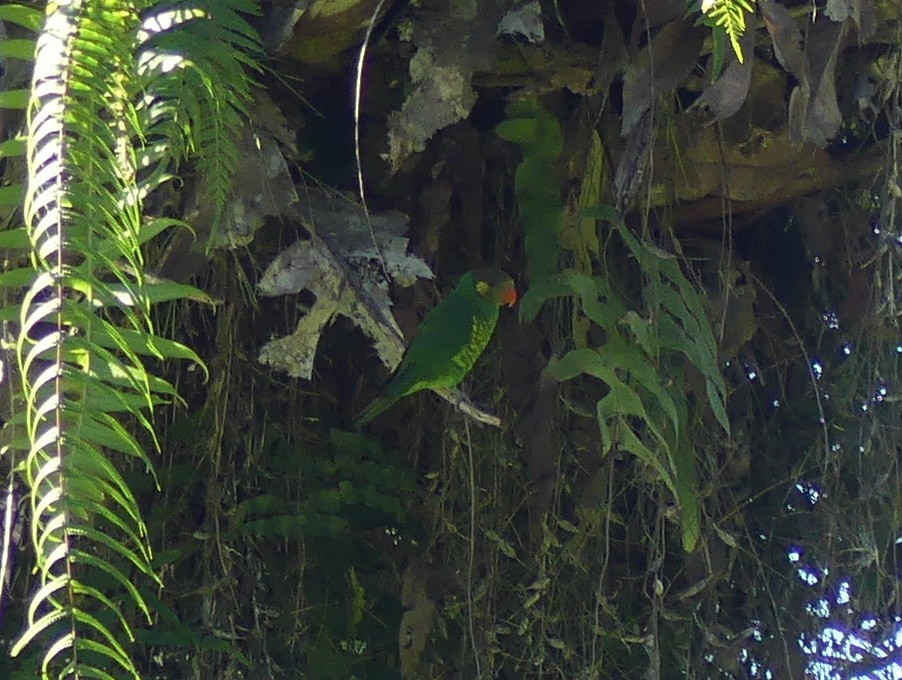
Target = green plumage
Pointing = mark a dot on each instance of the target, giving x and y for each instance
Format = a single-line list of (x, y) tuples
[(451, 338)]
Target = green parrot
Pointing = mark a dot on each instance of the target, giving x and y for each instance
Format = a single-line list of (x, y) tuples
[(450, 339)]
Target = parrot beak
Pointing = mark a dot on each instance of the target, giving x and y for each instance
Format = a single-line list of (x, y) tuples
[(509, 297)]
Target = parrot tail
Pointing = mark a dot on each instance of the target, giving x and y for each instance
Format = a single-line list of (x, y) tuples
[(379, 405)]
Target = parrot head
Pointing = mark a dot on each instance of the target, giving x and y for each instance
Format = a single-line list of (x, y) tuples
[(495, 285)]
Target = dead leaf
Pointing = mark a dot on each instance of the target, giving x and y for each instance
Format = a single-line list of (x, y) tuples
[(341, 266), (786, 38), (732, 306), (524, 21), (542, 451), (814, 114), (630, 172), (728, 93), (652, 14), (861, 12), (340, 221), (263, 187), (311, 265), (825, 43), (818, 228), (662, 65), (579, 234), (442, 96), (319, 31), (435, 205)]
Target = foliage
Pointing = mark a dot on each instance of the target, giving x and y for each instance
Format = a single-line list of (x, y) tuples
[(85, 333), (357, 485), (639, 344), (306, 526), (196, 84), (538, 134), (727, 18), (338, 496), (636, 355)]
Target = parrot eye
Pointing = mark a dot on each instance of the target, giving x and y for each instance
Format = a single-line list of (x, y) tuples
[(482, 287)]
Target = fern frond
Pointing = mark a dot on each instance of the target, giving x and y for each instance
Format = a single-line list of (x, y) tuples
[(643, 412), (81, 195), (197, 61), (122, 94), (84, 328), (729, 15), (15, 95)]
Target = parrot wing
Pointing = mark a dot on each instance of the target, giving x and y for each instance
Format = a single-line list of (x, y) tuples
[(441, 353), (430, 359)]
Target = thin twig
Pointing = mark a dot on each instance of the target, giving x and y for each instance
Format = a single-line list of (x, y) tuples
[(358, 87)]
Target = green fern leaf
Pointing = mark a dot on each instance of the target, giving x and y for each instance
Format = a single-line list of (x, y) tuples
[(729, 16), (84, 319)]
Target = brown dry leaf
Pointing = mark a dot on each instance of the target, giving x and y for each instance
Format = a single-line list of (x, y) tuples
[(340, 220), (728, 93), (263, 187), (786, 37), (826, 40), (630, 172), (441, 98), (655, 13), (320, 31), (579, 234), (662, 65), (818, 228), (861, 12), (814, 114), (313, 266), (340, 265), (542, 447), (524, 22), (435, 204), (732, 305)]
